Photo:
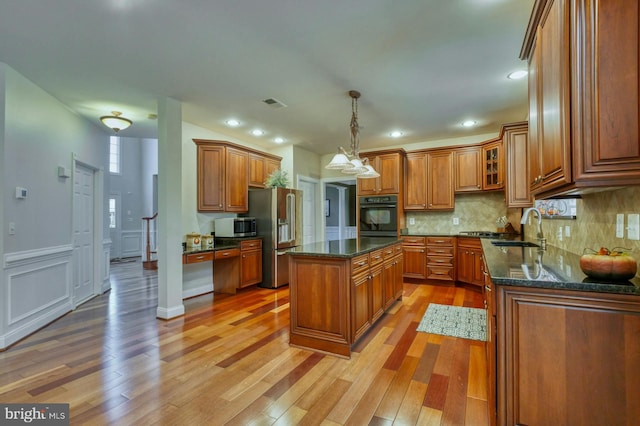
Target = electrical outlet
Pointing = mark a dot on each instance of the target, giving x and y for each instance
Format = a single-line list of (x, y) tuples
[(12, 228), (559, 233), (456, 221), (567, 231), (633, 227), (412, 221), (619, 225)]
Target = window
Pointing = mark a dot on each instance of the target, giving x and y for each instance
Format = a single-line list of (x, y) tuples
[(112, 213), (114, 155)]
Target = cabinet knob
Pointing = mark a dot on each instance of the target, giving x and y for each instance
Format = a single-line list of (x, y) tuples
[(430, 205)]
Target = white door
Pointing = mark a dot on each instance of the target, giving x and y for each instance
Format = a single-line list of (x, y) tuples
[(83, 238), (309, 209)]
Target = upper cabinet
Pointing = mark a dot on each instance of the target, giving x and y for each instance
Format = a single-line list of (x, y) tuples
[(260, 167), (584, 100), (223, 173), (515, 140), (429, 180), (468, 169), (237, 176), (390, 166), (493, 162)]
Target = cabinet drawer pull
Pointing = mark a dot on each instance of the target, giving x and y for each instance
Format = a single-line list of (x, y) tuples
[(362, 263), (488, 288), (200, 257)]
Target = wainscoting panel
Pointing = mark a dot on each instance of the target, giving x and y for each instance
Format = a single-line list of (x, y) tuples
[(38, 289), (131, 242)]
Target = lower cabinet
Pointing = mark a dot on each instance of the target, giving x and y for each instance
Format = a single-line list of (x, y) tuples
[(469, 261), (441, 258), (335, 300), (250, 262), (414, 253), (567, 357)]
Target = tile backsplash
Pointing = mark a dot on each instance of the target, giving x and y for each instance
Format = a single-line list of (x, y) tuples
[(595, 225), (475, 211)]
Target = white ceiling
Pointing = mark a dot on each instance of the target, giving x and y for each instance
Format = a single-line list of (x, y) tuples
[(422, 66)]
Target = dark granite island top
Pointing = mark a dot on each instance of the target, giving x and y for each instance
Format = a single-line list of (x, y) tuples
[(552, 268), (343, 248)]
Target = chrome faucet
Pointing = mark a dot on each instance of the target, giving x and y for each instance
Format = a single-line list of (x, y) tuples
[(541, 239)]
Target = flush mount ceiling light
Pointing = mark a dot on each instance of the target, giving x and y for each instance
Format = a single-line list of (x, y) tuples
[(232, 122), (278, 140), (115, 122), (257, 132), (350, 162), (517, 75), (396, 134), (469, 123)]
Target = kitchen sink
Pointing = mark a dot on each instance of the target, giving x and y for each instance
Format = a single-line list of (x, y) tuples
[(513, 243)]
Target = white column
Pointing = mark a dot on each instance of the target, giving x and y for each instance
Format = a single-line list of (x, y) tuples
[(169, 209)]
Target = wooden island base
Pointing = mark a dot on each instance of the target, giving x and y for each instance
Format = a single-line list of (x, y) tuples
[(337, 292)]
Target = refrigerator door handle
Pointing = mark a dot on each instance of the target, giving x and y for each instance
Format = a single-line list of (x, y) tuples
[(281, 253), (291, 215)]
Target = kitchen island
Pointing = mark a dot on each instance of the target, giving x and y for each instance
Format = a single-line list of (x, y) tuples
[(562, 348), (339, 289)]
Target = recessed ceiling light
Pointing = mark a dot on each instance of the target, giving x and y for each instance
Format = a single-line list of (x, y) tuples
[(278, 140), (469, 123), (257, 132), (396, 134), (232, 122), (517, 75)]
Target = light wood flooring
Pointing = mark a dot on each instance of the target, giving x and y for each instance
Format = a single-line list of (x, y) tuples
[(228, 361)]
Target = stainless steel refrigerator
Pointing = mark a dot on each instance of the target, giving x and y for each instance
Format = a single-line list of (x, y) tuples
[(278, 213)]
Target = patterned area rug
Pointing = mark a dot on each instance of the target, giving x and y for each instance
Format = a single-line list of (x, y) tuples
[(456, 321)]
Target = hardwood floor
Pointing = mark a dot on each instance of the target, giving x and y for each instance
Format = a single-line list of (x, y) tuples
[(228, 361)]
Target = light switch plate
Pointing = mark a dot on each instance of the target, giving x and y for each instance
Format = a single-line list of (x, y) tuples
[(456, 221), (412, 221), (620, 226)]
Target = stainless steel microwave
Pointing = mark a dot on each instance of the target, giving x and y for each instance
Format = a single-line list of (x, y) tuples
[(236, 227)]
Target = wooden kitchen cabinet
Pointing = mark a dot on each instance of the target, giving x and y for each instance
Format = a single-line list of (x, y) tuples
[(390, 165), (567, 357), (468, 170), (551, 159), (493, 162), (469, 260), (223, 173), (441, 258), (250, 262), (488, 294), (260, 167), (414, 253), (392, 274), (211, 177), (516, 143), (429, 180), (236, 187), (584, 111), (604, 92)]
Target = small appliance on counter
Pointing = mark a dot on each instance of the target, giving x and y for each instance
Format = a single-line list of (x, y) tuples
[(194, 241), (235, 227), (207, 241)]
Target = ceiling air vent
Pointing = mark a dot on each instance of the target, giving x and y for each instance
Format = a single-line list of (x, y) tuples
[(274, 103)]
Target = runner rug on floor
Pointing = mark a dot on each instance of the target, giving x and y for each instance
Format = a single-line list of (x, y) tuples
[(456, 321)]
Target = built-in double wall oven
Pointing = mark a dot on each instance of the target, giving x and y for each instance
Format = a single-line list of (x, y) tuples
[(379, 216)]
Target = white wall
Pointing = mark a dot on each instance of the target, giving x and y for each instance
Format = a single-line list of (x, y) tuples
[(38, 134)]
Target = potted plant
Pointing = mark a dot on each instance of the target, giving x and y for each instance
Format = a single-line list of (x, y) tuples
[(278, 178)]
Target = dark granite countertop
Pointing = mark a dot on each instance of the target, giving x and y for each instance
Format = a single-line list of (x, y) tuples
[(553, 268), (466, 234), (343, 248)]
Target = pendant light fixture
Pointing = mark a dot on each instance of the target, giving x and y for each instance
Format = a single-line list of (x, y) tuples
[(350, 162), (115, 122)]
